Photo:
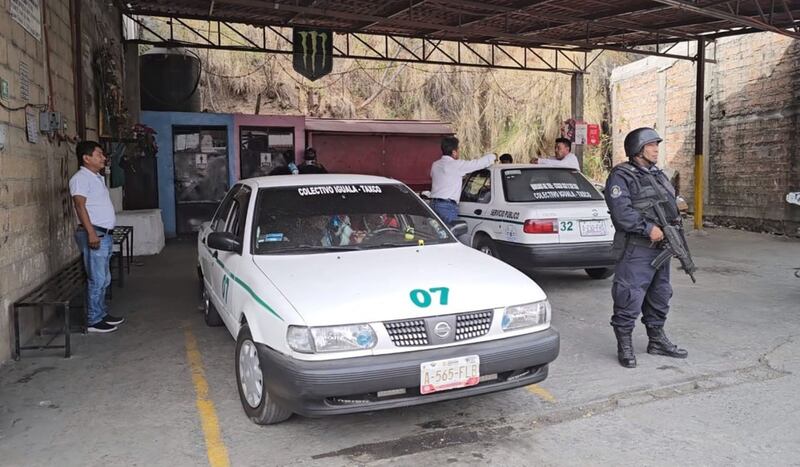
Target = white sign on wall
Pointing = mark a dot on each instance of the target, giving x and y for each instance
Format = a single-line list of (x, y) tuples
[(581, 133), (28, 14)]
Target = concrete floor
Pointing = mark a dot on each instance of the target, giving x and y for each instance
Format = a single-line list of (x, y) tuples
[(129, 399)]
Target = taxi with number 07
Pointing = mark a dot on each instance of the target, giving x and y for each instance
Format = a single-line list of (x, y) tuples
[(539, 217), (346, 293)]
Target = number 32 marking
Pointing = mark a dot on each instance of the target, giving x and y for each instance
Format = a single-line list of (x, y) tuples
[(422, 298)]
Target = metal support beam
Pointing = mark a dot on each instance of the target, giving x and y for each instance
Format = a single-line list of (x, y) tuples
[(722, 15), (699, 117), (576, 104)]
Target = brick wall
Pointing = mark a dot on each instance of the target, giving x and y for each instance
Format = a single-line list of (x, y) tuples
[(36, 214), (752, 112)]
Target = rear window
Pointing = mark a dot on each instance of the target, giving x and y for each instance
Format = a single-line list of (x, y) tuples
[(529, 185)]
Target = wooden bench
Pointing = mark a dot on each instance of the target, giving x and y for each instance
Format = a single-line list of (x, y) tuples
[(57, 291)]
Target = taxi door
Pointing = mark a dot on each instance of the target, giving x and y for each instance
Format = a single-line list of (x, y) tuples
[(233, 261), (476, 204)]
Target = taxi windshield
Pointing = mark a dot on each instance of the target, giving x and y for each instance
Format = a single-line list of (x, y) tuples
[(321, 218), (529, 185)]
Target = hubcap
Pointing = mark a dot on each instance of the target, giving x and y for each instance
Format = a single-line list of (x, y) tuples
[(485, 249), (250, 376)]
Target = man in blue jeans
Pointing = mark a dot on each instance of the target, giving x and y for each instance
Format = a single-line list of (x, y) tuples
[(446, 175), (94, 234)]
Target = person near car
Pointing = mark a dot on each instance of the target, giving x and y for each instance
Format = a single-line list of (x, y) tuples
[(94, 234), (288, 167), (631, 190), (506, 159), (446, 176), (564, 156), (310, 164)]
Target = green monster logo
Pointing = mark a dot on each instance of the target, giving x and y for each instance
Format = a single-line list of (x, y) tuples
[(313, 52)]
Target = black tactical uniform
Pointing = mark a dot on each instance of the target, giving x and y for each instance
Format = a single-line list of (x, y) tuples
[(639, 288)]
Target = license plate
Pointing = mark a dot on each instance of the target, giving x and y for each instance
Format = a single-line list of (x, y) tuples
[(441, 375), (593, 228)]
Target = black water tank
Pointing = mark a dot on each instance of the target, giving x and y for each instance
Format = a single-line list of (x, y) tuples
[(169, 80)]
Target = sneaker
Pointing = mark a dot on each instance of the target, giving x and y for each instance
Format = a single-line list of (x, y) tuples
[(102, 326), (113, 320)]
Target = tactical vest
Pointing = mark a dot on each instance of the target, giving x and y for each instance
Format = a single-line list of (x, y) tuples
[(646, 189)]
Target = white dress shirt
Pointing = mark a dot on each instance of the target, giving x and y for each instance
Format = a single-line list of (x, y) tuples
[(92, 186), (446, 175), (570, 161)]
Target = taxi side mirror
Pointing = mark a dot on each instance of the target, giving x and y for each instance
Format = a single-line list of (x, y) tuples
[(224, 241), (459, 228)]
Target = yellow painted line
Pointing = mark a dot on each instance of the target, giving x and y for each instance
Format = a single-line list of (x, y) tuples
[(541, 393), (215, 446)]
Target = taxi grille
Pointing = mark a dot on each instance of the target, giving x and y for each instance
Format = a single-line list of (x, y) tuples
[(413, 332), (407, 333), (471, 325)]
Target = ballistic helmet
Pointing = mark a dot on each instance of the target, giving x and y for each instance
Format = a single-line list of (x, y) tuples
[(638, 138)]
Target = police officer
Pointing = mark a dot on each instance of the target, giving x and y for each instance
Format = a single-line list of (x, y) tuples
[(639, 288)]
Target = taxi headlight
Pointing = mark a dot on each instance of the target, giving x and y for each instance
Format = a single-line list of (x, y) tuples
[(331, 338), (523, 316)]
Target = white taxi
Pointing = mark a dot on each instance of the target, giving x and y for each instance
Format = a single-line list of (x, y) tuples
[(537, 217), (346, 293)]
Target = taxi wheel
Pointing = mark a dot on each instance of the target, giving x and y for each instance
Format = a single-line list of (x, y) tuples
[(487, 246), (209, 310), (600, 273), (256, 402)]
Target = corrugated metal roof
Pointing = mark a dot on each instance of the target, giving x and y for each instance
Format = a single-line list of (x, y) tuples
[(582, 24), (410, 127)]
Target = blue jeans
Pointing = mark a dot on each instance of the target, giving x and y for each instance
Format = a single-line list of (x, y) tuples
[(98, 274), (447, 210)]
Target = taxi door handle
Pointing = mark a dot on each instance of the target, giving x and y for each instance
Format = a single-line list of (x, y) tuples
[(478, 212)]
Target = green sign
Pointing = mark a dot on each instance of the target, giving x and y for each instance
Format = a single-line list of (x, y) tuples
[(312, 51)]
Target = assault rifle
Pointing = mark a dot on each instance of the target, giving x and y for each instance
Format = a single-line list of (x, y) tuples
[(674, 244)]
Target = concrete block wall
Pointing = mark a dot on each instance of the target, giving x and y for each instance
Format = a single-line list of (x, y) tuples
[(752, 126), (37, 220)]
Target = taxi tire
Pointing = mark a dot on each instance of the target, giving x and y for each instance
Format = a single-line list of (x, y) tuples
[(600, 273), (486, 245), (210, 313), (267, 412)]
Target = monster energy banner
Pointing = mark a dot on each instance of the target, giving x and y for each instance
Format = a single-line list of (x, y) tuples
[(313, 52)]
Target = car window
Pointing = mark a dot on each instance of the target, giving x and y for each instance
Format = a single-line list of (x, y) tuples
[(220, 219), (478, 188), (533, 185), (238, 215), (318, 218)]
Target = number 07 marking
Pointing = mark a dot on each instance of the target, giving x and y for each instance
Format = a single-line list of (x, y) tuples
[(422, 298)]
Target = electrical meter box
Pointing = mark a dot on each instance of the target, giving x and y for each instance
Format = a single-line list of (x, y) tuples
[(50, 121)]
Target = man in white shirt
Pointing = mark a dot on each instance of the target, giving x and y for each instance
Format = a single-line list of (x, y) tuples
[(94, 234), (564, 156), (446, 177)]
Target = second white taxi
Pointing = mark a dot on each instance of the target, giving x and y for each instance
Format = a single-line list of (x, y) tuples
[(535, 217), (346, 293)]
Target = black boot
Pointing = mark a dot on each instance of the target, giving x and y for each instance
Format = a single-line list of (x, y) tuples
[(625, 347), (660, 344)]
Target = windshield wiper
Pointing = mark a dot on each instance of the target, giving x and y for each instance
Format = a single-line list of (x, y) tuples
[(307, 248), (389, 245)]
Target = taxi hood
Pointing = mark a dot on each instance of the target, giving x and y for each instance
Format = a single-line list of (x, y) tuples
[(377, 285)]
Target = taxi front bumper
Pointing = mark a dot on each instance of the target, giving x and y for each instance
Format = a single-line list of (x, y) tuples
[(317, 388)]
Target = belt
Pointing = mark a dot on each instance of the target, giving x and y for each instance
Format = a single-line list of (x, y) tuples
[(98, 229), (638, 240), (444, 200)]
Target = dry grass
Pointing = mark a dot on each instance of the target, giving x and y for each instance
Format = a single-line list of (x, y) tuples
[(518, 112)]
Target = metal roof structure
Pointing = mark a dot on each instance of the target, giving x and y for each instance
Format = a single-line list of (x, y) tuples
[(650, 27)]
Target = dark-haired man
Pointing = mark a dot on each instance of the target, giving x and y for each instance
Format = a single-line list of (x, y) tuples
[(310, 164), (564, 156), (94, 233), (446, 177)]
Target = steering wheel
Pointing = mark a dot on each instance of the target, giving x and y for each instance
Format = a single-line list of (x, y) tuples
[(381, 231)]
